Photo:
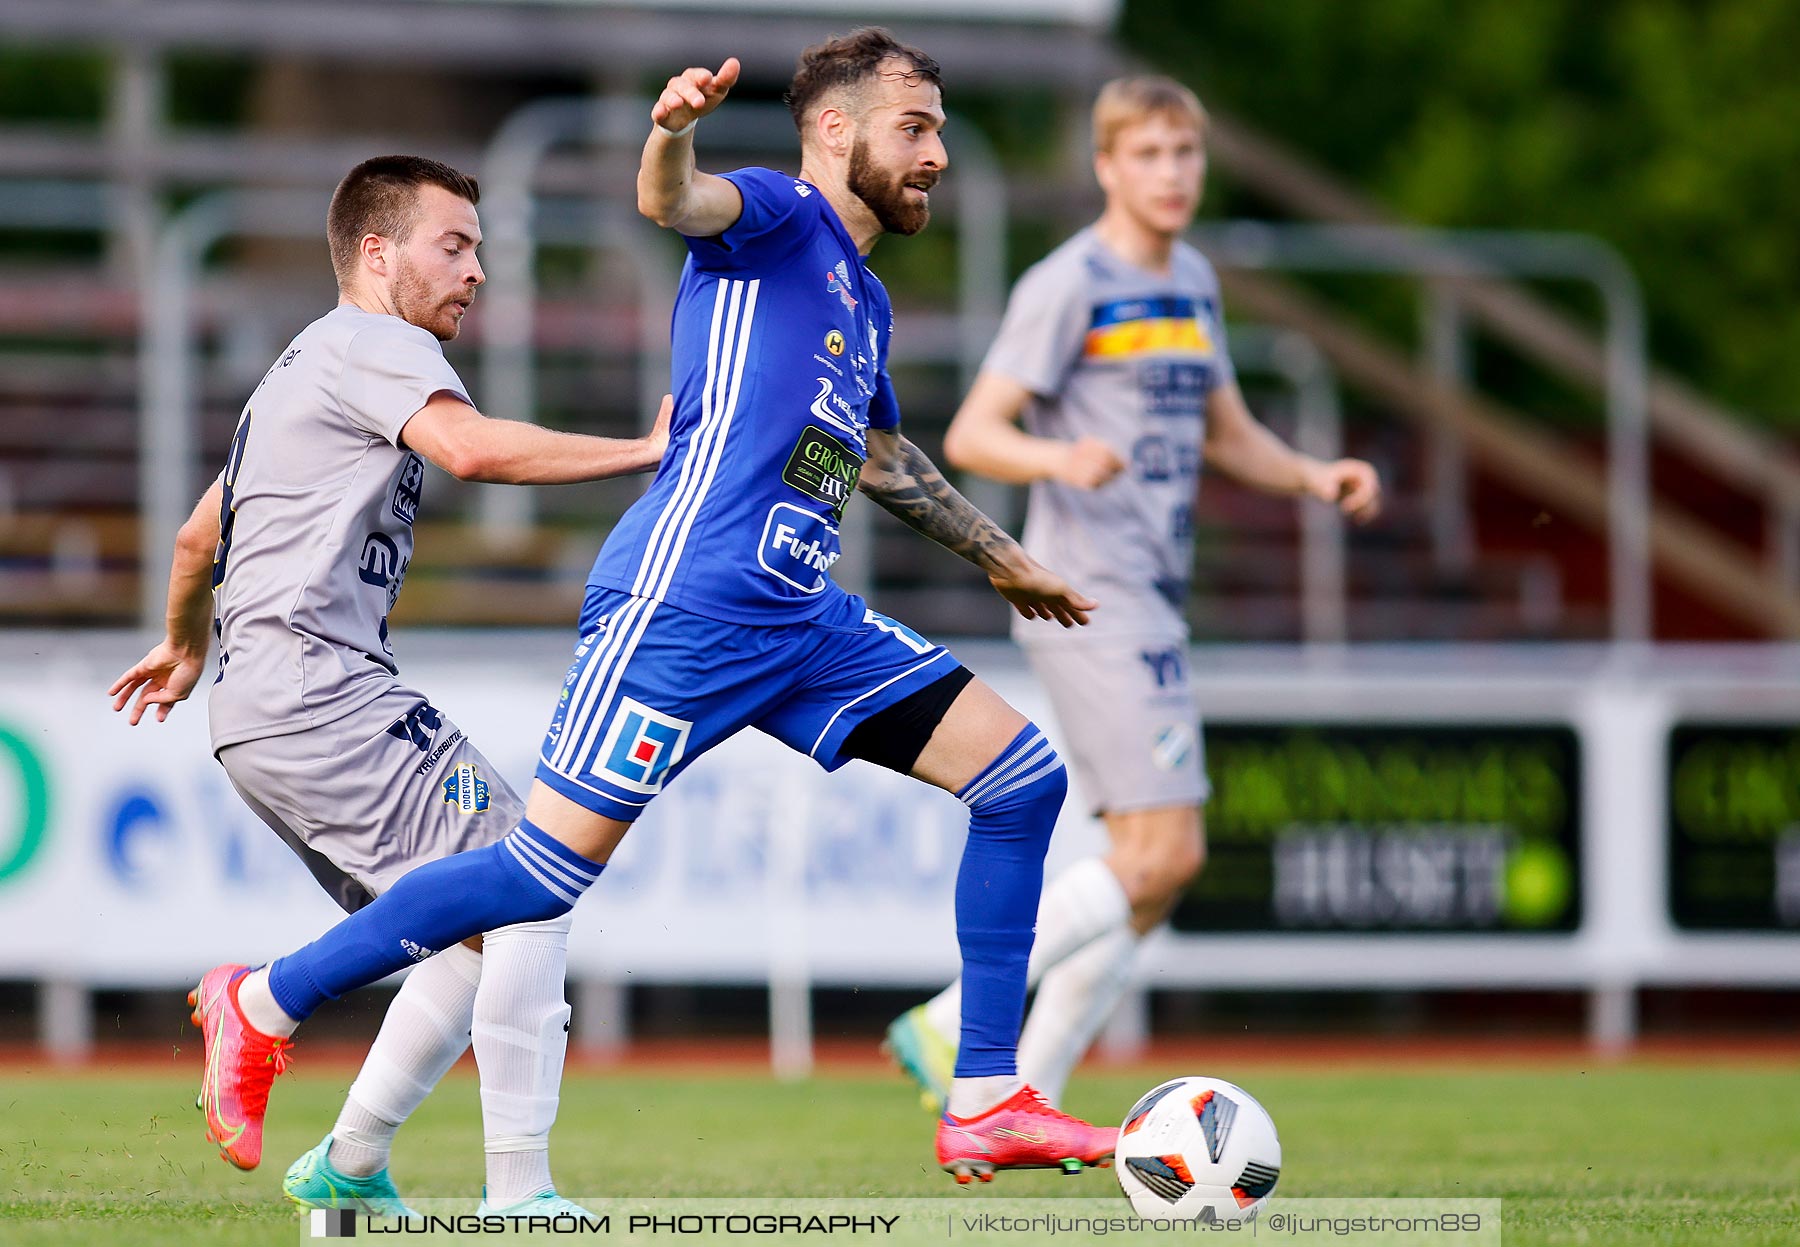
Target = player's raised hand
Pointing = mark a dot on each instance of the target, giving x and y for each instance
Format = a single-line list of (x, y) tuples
[(1351, 485), (1089, 463), (1036, 592), (164, 676), (692, 94)]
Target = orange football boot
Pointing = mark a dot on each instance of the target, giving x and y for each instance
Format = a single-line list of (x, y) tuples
[(1022, 1132), (241, 1064)]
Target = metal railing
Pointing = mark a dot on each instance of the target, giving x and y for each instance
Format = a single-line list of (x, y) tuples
[(1467, 254)]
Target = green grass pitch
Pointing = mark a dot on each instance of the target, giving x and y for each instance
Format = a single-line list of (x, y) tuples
[(1614, 1156)]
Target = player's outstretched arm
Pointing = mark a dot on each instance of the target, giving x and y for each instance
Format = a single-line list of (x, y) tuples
[(908, 486), (169, 672), (473, 447), (670, 190), (985, 438), (1244, 449)]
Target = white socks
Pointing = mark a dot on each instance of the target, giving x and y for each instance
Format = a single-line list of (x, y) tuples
[(1082, 903), (521, 1029), (971, 1097), (426, 1029), (1073, 1003), (259, 1008)]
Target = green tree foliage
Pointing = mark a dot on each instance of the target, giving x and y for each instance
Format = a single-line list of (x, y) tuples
[(1671, 128)]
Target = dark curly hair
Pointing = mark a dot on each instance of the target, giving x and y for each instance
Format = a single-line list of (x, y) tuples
[(848, 63)]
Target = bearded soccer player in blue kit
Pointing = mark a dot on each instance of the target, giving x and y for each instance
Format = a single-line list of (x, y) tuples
[(711, 607)]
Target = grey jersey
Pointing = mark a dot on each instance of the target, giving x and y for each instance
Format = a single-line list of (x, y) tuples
[(1130, 357), (319, 503)]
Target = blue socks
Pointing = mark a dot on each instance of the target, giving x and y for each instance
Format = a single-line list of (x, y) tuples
[(1013, 806), (526, 877)]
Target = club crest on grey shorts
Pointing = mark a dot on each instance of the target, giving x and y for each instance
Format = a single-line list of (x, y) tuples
[(366, 798)]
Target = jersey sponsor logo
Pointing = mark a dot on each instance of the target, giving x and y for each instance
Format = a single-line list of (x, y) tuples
[(418, 952), (466, 790), (1168, 667), (1167, 325), (641, 744), (1175, 389), (1181, 528), (418, 725), (829, 406), (1171, 746), (409, 489), (437, 752), (802, 189), (1156, 459), (837, 281), (798, 547), (574, 673), (382, 566), (824, 468), (834, 342)]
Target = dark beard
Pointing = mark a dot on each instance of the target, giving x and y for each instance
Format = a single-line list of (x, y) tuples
[(412, 299), (885, 194)]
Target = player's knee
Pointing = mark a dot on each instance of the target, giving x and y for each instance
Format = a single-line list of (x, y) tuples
[(1038, 779), (533, 879), (1184, 861), (1181, 854), (1023, 788)]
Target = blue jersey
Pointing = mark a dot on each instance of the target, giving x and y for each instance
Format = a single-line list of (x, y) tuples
[(779, 345)]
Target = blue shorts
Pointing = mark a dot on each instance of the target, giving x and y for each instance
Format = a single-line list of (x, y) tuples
[(654, 687)]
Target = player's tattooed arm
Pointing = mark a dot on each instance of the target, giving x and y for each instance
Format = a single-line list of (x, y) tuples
[(907, 485)]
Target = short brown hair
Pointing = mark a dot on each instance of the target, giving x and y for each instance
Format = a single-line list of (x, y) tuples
[(381, 196), (846, 62), (1127, 101)]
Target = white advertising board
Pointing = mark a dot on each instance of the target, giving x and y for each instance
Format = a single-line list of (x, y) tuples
[(127, 859)]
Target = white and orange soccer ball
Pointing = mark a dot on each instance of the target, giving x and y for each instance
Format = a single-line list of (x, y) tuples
[(1197, 1148)]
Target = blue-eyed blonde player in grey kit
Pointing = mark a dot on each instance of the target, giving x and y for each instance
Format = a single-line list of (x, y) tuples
[(1112, 355)]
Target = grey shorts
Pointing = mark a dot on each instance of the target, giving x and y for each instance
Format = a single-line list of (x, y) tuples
[(365, 799), (1127, 712)]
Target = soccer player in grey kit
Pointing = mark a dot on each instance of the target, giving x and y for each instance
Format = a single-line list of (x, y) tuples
[(301, 546), (1112, 354)]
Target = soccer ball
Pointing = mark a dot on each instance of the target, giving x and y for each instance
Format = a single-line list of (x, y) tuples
[(1197, 1148)]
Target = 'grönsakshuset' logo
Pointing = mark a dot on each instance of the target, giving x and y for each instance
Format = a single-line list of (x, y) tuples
[(466, 790)]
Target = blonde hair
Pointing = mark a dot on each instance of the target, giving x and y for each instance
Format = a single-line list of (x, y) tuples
[(1126, 101)]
